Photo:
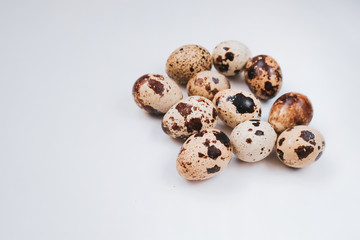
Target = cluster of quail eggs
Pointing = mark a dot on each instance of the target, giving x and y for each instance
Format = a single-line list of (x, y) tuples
[(206, 150)]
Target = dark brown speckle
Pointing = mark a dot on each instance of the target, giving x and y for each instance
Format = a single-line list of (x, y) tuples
[(213, 152), (214, 169), (281, 141), (308, 137), (303, 151), (220, 136)]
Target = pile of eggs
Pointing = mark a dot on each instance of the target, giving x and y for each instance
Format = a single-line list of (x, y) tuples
[(206, 150)]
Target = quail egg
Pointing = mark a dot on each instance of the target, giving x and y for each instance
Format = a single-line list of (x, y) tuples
[(189, 116), (230, 57), (186, 61), (289, 110), (253, 140), (207, 84), (204, 155), (263, 76), (236, 106), (155, 93), (299, 146)]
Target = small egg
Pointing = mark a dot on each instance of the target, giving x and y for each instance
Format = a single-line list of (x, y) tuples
[(236, 106), (155, 93), (263, 76), (186, 61), (189, 116), (289, 110), (204, 155), (207, 84), (299, 146), (253, 140), (230, 57)]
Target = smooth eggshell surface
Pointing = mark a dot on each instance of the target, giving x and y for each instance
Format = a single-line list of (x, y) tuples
[(155, 93), (289, 110), (253, 140), (230, 57), (263, 76), (299, 146), (189, 116), (207, 84), (186, 61), (236, 106), (204, 155)]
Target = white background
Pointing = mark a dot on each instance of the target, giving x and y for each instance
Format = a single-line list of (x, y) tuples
[(79, 160)]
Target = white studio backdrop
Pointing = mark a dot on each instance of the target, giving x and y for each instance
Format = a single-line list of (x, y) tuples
[(79, 160)]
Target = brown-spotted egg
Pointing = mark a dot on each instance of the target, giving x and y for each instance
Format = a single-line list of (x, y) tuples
[(236, 106), (207, 84), (186, 61), (289, 110), (189, 116), (263, 76), (155, 93), (204, 155), (299, 146), (253, 140), (230, 57)]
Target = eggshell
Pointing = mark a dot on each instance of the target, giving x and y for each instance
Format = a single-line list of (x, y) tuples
[(189, 116), (299, 146), (236, 106), (263, 76), (230, 57), (289, 110), (253, 140), (207, 84), (204, 155), (186, 61), (155, 93)]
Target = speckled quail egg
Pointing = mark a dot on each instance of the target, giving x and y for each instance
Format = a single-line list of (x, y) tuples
[(299, 146), (253, 140), (263, 76), (289, 110), (204, 155), (230, 57), (236, 106), (155, 93), (186, 61), (189, 116), (207, 84)]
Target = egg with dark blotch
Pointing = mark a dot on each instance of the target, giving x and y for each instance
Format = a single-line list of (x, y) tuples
[(204, 155), (155, 93), (299, 146), (189, 116), (263, 76), (186, 61), (235, 106), (289, 110)]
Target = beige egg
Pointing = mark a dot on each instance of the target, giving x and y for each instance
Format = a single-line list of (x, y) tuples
[(230, 57), (289, 110), (155, 93), (189, 116), (186, 61), (236, 106), (204, 155), (263, 76), (207, 84), (253, 140), (299, 146)]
